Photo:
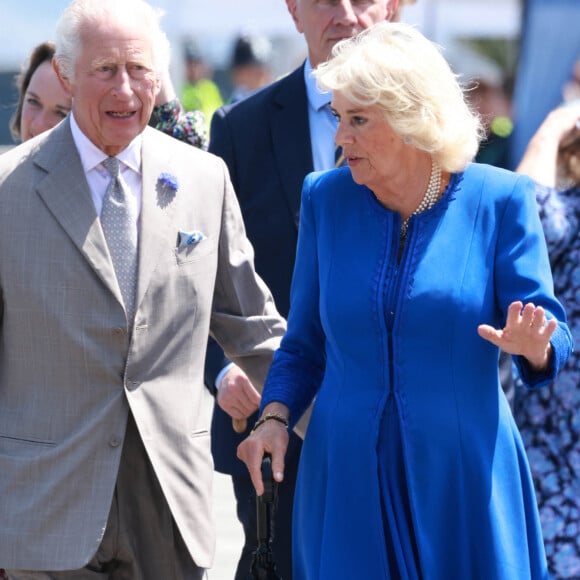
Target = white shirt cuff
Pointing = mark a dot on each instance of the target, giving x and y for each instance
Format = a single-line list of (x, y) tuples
[(218, 379)]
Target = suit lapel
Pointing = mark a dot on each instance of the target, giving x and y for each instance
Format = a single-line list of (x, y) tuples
[(157, 208), (66, 193), (291, 137)]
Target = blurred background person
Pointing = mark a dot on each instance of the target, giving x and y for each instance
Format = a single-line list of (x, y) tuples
[(42, 101), (414, 266), (549, 419), (170, 117), (548, 48), (491, 98), (488, 91), (200, 92), (249, 65)]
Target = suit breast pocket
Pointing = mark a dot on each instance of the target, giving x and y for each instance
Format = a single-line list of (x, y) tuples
[(197, 252)]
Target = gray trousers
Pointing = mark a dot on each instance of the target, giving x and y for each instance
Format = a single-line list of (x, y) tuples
[(141, 541)]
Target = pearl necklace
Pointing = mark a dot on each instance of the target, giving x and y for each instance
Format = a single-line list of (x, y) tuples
[(429, 199)]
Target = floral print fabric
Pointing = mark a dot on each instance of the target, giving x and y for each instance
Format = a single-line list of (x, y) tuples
[(189, 126), (549, 418)]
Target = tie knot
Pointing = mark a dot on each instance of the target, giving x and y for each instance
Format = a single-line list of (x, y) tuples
[(111, 164)]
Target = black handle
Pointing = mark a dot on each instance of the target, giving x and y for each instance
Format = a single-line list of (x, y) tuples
[(266, 503), (263, 565), (268, 479)]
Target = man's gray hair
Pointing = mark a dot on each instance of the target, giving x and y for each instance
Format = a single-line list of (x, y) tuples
[(80, 14)]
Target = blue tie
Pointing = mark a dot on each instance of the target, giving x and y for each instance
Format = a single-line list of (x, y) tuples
[(338, 157)]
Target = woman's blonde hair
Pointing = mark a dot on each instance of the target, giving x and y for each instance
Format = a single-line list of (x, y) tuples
[(394, 66)]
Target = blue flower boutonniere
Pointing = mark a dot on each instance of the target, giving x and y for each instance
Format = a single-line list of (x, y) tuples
[(166, 189)]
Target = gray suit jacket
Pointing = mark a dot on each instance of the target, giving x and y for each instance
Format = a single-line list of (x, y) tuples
[(69, 367)]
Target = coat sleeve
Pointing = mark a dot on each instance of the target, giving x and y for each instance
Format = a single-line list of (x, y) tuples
[(244, 319), (220, 145), (299, 364), (523, 273)]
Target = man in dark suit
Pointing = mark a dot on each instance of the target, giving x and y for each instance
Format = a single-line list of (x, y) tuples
[(270, 141)]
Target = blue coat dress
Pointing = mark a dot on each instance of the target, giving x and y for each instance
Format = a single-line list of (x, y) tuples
[(412, 466)]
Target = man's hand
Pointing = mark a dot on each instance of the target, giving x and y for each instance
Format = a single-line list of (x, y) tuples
[(237, 397)]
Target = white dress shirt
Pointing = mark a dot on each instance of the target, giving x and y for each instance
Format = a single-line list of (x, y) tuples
[(98, 177), (322, 122)]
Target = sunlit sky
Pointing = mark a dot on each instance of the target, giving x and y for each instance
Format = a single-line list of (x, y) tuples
[(25, 23)]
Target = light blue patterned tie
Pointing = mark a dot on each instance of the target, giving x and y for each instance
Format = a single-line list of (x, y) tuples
[(119, 223), (338, 157)]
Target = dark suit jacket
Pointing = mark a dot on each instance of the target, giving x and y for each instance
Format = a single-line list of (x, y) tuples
[(265, 142)]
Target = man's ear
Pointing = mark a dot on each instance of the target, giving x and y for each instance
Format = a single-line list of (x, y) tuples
[(64, 81), (392, 6), (292, 6), (157, 87)]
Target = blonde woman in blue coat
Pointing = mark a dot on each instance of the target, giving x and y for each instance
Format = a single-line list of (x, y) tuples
[(414, 267)]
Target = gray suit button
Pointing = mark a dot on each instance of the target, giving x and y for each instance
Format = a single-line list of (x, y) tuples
[(118, 332), (114, 442), (132, 385)]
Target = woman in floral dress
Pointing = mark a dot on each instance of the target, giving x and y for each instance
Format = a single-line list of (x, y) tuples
[(549, 418)]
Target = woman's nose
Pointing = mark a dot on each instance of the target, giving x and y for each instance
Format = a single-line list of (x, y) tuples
[(342, 135), (42, 122)]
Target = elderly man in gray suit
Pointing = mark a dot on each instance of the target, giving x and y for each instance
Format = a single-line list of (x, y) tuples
[(120, 250)]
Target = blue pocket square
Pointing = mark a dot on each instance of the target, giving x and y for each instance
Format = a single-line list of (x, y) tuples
[(189, 239)]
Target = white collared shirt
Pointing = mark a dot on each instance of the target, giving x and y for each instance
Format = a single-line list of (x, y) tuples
[(322, 122), (98, 177)]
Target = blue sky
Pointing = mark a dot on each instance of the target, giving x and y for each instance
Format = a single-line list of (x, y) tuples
[(25, 23)]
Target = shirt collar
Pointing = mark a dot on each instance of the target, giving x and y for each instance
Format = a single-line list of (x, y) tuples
[(91, 156), (316, 99)]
